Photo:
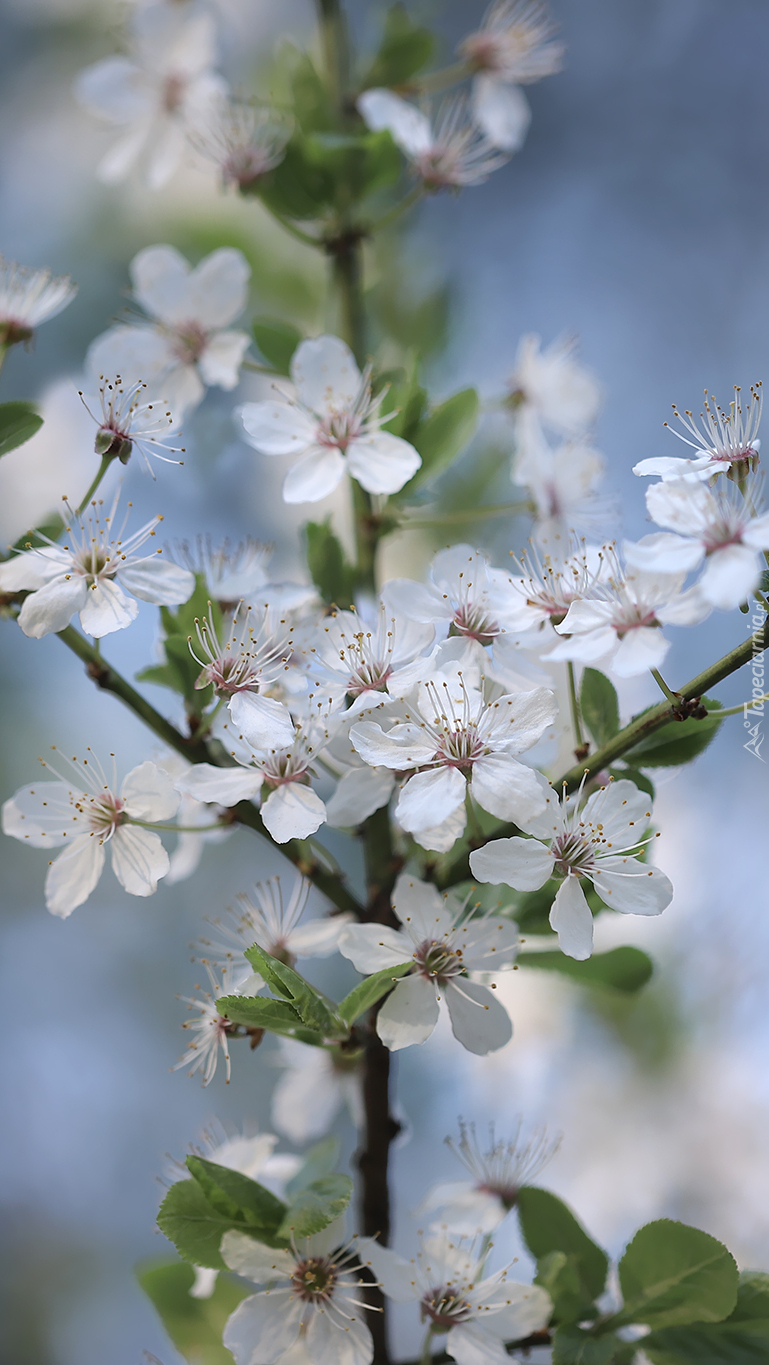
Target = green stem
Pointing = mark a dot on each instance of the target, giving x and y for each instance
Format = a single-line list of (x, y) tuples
[(427, 1349), (197, 751), (106, 461), (441, 80), (181, 829), (306, 238), (739, 710), (576, 720), (458, 869), (4, 349), (459, 518), (660, 681), (398, 211)]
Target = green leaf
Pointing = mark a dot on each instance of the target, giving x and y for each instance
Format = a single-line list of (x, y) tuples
[(316, 1206), (195, 1326), (741, 1339), (559, 1275), (320, 1160), (162, 675), (315, 1010), (357, 164), (238, 1197), (441, 436), (405, 48), (331, 572), (752, 1297), (18, 422), (573, 1346), (599, 706), (624, 969), (194, 1225), (548, 1225), (672, 1274), (297, 188), (677, 742), (405, 397), (277, 340), (277, 1016), (368, 992)]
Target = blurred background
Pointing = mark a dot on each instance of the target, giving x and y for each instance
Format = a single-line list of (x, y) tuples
[(636, 216)]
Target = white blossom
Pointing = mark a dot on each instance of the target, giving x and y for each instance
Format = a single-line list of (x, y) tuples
[(237, 573), (244, 141), (549, 583), (444, 944), (463, 595), (92, 574), (360, 789), (242, 668), (551, 385), (210, 1030), (600, 843), (620, 621), (333, 426), (513, 47), (478, 1205), (367, 658), (719, 528), (85, 817), (477, 1313), (308, 1296), (563, 483), (199, 824), (264, 917), (316, 1083), (724, 442), (459, 743), (187, 344), (153, 94), (446, 152), (127, 420), (29, 297)]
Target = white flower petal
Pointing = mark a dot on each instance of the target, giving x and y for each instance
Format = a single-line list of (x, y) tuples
[(107, 608), (325, 373), (664, 552), (73, 876), (204, 1283), (373, 947), (410, 1014), (515, 722), (222, 786), (756, 533), (293, 811), (138, 859), (149, 793), (44, 814), (318, 937), (506, 788), (382, 463), (730, 576), (463, 1207), (308, 1096), (440, 838), (526, 1308), (255, 1261), (571, 919), (264, 1326), (421, 908), (501, 111), (471, 1344), (358, 794), (141, 352), (430, 798), (408, 126), (167, 146), (417, 601), (157, 580), (332, 1343), (524, 864), (394, 1273), (33, 569), (114, 89), (401, 747), (275, 428), (319, 471), (631, 887), (641, 648), (478, 1021), (262, 721), (220, 361), (217, 290), (52, 607)]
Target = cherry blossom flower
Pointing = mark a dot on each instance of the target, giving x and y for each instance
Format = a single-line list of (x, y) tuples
[(187, 344), (316, 1083), (513, 47), (477, 1313), (478, 1205), (154, 94), (459, 742), (551, 385), (199, 823), (88, 815), (210, 1030), (243, 141), (29, 297), (563, 481), (92, 574), (237, 573), (724, 442), (310, 1297), (449, 152), (621, 622), (241, 669), (719, 528), (334, 426), (127, 420), (549, 583), (368, 659), (444, 945), (292, 809), (601, 843), (265, 918), (463, 595)]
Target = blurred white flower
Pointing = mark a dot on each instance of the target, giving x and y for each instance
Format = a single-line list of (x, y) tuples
[(200, 824), (93, 575), (475, 1313), (449, 152), (56, 460), (188, 344), (725, 442), (167, 82), (478, 1205), (236, 574), (128, 419), (563, 481), (601, 843), (310, 1298), (720, 528), (513, 47), (29, 297), (210, 1031), (270, 921), (444, 945), (553, 386), (88, 814), (334, 426), (367, 658), (244, 141), (315, 1085)]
